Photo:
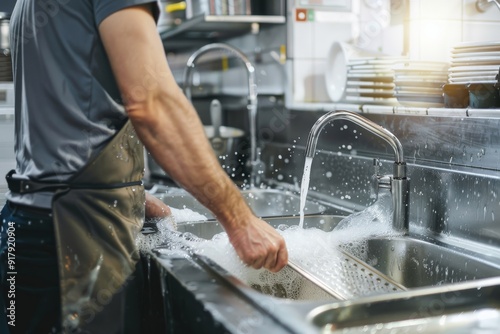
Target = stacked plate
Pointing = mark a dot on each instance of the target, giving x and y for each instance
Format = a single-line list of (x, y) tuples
[(419, 83), (358, 75), (477, 62), (371, 80)]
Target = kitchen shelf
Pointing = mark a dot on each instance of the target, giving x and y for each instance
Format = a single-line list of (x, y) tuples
[(398, 110), (205, 29)]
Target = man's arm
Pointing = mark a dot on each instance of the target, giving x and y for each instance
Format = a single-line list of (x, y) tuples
[(172, 132)]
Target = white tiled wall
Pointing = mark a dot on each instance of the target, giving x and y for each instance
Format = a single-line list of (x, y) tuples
[(367, 24), (437, 26)]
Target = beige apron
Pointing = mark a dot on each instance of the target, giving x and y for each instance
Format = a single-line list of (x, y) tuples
[(96, 221)]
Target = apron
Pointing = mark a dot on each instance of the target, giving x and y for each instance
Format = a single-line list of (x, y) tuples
[(96, 220)]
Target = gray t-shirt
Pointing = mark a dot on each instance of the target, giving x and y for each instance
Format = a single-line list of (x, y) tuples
[(67, 103)]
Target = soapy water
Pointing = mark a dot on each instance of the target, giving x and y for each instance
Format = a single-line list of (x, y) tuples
[(165, 226), (313, 249)]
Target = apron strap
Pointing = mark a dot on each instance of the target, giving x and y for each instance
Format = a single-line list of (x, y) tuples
[(22, 186)]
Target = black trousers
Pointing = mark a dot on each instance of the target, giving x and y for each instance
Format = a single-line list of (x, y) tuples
[(28, 271), (30, 294)]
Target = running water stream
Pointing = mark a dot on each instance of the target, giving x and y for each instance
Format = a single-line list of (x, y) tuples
[(304, 188)]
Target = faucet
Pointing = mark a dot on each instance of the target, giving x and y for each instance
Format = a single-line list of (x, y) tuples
[(483, 5), (398, 183), (252, 96)]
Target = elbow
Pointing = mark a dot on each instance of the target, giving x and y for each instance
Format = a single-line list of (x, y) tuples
[(146, 106), (142, 106)]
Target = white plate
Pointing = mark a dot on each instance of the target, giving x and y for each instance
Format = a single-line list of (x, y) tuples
[(371, 67), (474, 68), (475, 78), (371, 72), (477, 49), (369, 90), (372, 77), (435, 97), (425, 78), (494, 61), (472, 73), (370, 84), (336, 72), (419, 83), (422, 67), (374, 100), (364, 93), (477, 44), (421, 90), (374, 61), (481, 80), (475, 54)]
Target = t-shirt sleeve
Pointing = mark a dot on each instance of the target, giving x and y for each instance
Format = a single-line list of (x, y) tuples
[(104, 8)]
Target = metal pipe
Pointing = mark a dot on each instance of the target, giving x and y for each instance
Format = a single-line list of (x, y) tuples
[(399, 182), (376, 129), (483, 5), (252, 93)]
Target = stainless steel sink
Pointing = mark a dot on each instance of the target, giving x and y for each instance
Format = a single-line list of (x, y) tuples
[(448, 289), (461, 308), (414, 263), (207, 229), (263, 202), (294, 285), (409, 262)]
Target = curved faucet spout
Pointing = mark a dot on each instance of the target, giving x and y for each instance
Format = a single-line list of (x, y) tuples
[(399, 183), (188, 73), (376, 129), (252, 94)]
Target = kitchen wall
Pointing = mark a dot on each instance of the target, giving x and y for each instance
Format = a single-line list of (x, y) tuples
[(421, 29), (373, 25), (436, 26)]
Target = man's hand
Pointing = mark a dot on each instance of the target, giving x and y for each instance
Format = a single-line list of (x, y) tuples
[(155, 208), (260, 245)]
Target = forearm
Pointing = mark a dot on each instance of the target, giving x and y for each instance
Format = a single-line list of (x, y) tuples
[(171, 130)]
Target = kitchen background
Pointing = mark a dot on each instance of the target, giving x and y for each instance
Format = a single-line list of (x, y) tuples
[(452, 152)]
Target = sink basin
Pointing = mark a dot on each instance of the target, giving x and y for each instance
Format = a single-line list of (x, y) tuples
[(462, 308), (407, 262), (207, 229), (414, 263), (448, 290), (263, 202)]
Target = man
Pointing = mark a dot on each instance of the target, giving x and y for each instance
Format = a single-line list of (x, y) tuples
[(91, 78)]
